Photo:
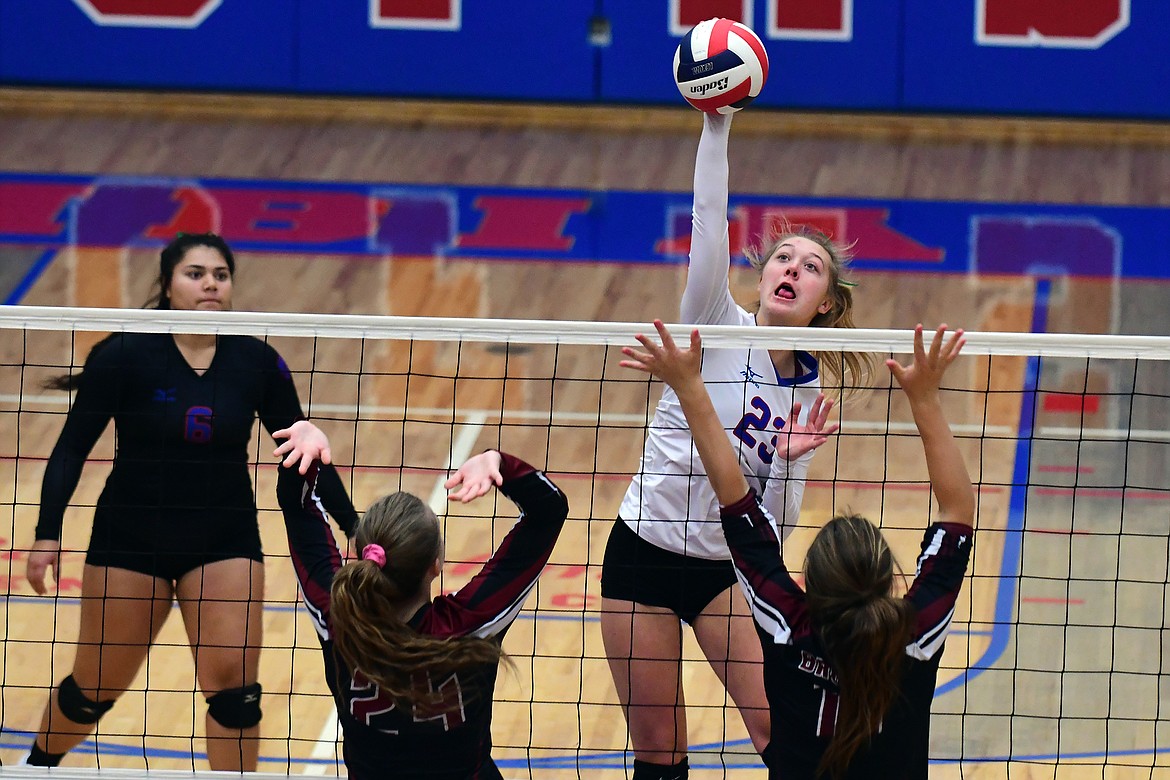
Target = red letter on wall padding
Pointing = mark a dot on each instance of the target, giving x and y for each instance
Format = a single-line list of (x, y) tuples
[(810, 15), (1072, 23), (148, 13), (416, 14), (688, 13), (437, 10), (178, 8)]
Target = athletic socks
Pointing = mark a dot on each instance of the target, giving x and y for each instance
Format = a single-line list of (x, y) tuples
[(644, 770), (38, 757)]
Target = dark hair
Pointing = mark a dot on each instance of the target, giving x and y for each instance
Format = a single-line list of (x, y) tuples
[(849, 577), (850, 369), (368, 632), (172, 254)]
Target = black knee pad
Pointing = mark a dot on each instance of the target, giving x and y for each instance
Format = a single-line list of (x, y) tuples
[(236, 708), (644, 770), (78, 707)]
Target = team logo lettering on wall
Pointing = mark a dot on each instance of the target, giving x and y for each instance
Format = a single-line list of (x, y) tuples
[(148, 13), (416, 14), (1063, 24), (813, 20), (810, 20)]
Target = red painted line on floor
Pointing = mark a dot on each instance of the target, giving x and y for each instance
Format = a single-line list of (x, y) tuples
[(1145, 495), (1066, 469), (1071, 403)]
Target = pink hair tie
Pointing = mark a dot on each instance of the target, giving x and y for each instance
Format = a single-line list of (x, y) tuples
[(375, 553)]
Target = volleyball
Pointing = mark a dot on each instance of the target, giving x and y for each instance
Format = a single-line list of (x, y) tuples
[(720, 66)]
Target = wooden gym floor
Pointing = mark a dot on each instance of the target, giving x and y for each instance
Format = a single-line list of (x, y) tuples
[(1074, 666)]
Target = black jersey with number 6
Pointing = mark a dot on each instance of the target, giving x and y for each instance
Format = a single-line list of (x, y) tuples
[(180, 474)]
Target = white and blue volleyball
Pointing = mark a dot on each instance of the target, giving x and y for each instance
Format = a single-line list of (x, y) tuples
[(720, 66)]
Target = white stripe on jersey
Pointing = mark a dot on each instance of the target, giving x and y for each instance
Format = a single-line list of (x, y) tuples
[(316, 615), (768, 617), (932, 548), (929, 642), (505, 618), (501, 621)]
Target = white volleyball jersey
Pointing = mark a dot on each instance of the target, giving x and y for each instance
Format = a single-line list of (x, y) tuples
[(670, 502)]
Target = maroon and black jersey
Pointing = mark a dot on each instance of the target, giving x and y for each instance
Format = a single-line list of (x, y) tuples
[(382, 739), (800, 682), (180, 474)]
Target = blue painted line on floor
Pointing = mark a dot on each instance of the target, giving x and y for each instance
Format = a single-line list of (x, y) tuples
[(30, 278), (1009, 571)]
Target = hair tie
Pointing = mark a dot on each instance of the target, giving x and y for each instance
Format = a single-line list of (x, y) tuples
[(375, 553)]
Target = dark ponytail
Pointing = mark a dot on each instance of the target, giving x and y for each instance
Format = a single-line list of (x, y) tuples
[(369, 632), (849, 577)]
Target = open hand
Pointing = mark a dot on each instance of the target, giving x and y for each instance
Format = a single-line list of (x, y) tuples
[(922, 377), (305, 442), (798, 438), (672, 365), (475, 477)]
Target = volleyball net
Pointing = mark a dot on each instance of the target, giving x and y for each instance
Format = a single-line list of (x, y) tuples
[(1057, 662)]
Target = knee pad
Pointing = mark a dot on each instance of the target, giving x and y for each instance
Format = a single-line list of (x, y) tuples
[(236, 708), (78, 707), (644, 770)]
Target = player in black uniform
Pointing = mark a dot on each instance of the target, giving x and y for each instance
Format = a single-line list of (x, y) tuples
[(849, 668), (177, 519), (413, 676)]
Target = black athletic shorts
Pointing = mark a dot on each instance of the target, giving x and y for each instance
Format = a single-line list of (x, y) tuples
[(636, 570), (174, 543)]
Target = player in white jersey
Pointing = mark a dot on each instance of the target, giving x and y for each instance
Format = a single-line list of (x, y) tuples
[(666, 560)]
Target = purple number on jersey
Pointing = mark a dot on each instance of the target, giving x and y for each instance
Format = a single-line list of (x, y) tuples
[(757, 422), (197, 424)]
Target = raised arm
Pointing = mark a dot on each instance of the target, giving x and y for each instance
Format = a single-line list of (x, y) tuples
[(487, 605), (920, 380), (314, 553), (706, 297)]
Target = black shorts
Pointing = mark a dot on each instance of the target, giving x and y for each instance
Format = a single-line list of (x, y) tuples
[(636, 570), (172, 546)]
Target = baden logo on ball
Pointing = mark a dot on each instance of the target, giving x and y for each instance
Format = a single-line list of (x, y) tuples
[(720, 66)]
